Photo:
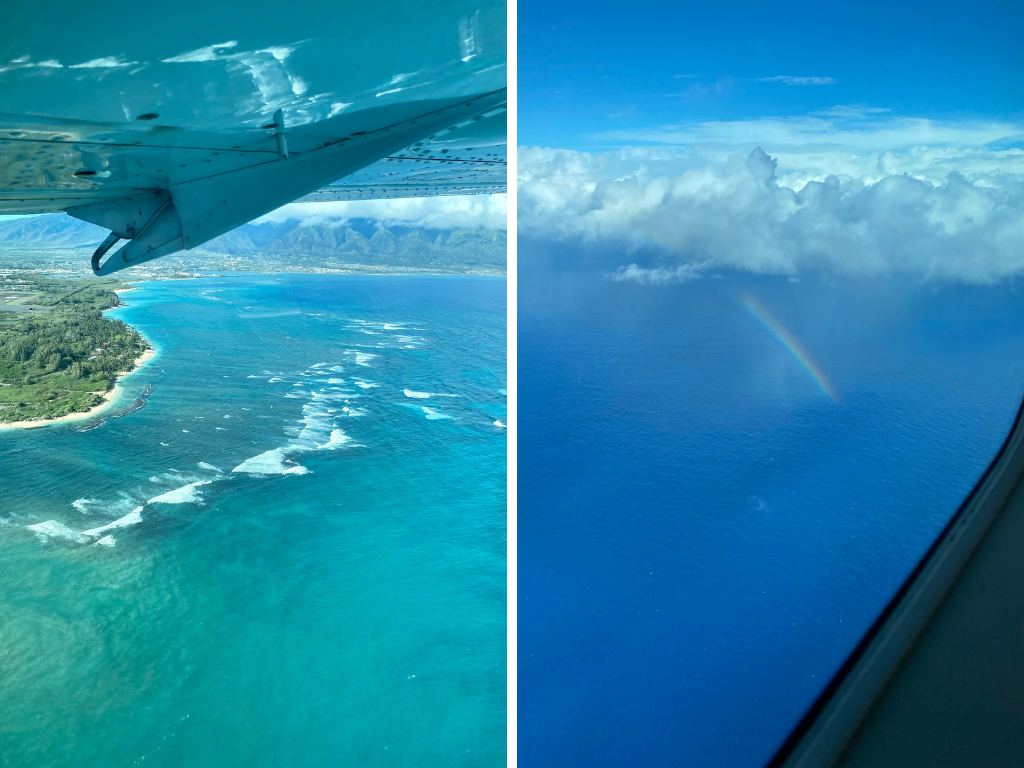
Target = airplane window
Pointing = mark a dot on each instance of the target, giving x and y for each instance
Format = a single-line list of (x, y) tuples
[(770, 337), (253, 384)]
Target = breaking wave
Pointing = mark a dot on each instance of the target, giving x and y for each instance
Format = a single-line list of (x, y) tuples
[(133, 517), (55, 530), (433, 415), (273, 462), (187, 494), (318, 432)]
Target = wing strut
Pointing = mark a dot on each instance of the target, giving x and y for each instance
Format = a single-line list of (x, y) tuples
[(187, 214), (130, 234)]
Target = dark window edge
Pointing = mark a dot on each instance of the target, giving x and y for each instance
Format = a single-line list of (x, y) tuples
[(824, 731)]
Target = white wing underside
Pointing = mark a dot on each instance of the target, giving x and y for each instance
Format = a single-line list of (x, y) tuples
[(464, 171), (41, 157), (168, 134)]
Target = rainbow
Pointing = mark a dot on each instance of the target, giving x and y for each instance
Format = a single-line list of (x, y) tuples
[(789, 342)]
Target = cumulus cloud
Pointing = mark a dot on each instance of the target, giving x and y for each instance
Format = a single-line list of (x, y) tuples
[(846, 140), (704, 211), (657, 275), (442, 212)]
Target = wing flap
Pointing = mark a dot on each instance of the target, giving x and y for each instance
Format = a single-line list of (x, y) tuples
[(424, 170)]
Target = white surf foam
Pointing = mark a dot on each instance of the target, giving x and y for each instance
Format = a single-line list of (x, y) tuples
[(106, 541), (212, 468), (366, 384), (267, 463), (433, 415), (133, 517), (187, 494), (338, 439), (362, 358), (82, 505), (335, 381), (499, 424), (425, 395), (55, 530)]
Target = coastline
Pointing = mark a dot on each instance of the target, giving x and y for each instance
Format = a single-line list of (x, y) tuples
[(109, 398)]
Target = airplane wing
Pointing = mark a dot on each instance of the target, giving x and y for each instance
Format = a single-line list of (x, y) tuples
[(466, 162), (170, 132)]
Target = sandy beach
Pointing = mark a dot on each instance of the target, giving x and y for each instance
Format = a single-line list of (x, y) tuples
[(109, 398)]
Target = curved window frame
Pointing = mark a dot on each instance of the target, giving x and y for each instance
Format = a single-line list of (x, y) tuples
[(832, 721)]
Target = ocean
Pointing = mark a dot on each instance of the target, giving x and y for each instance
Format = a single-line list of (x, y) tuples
[(722, 483), (308, 559)]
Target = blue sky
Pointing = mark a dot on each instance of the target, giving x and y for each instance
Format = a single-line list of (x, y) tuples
[(593, 74), (864, 138)]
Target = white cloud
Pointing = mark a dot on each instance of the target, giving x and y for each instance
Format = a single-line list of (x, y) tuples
[(107, 62), (657, 275), (442, 212), (209, 53), (852, 111), (791, 80), (883, 212), (836, 131), (849, 141), (25, 62)]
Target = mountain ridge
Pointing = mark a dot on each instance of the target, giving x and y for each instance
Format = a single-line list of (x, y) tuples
[(312, 242)]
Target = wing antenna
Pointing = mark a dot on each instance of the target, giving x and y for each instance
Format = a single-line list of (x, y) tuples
[(282, 139)]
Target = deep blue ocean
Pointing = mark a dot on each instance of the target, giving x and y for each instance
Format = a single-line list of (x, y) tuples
[(308, 562), (704, 534)]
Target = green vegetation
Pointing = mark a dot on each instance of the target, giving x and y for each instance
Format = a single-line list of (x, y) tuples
[(61, 356)]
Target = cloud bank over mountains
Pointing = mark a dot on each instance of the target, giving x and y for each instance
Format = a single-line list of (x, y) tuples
[(441, 212), (934, 201)]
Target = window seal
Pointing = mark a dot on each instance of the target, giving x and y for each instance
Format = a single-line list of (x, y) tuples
[(832, 720)]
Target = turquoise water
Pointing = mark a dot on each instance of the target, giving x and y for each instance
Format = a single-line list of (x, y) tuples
[(317, 574)]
